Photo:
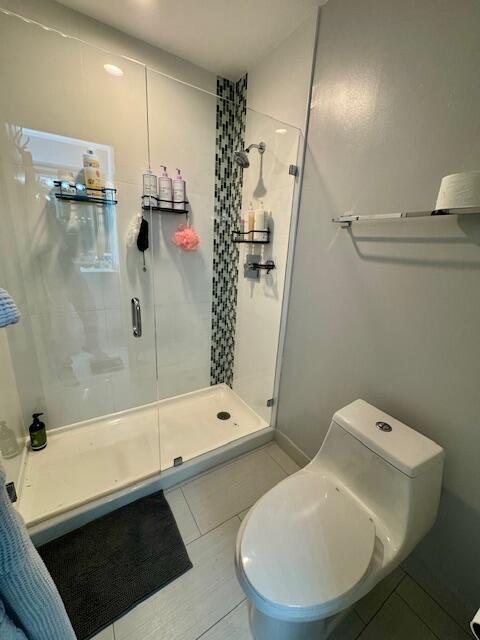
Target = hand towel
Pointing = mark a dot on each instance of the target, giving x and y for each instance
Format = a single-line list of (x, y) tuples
[(27, 591), (8, 630), (9, 314)]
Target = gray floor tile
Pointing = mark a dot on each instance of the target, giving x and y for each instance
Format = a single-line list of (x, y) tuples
[(193, 603), (207, 602), (282, 458), (438, 590), (396, 621), (234, 626), (106, 634), (430, 612), (183, 516), (232, 488), (370, 604), (349, 628)]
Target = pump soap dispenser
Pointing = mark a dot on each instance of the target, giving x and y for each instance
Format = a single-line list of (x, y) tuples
[(165, 188), (179, 191), (38, 433), (8, 443)]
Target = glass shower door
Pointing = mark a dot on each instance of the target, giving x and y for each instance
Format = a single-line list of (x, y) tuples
[(182, 132), (70, 260), (217, 329)]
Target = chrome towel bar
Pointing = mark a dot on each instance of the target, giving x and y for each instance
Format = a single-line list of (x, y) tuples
[(346, 220)]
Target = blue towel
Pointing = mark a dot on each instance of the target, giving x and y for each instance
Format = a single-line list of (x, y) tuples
[(8, 630), (30, 605), (9, 314)]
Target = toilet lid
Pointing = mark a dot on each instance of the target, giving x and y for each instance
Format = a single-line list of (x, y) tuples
[(305, 544)]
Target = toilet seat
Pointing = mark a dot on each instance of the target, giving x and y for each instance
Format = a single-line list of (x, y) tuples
[(303, 548)]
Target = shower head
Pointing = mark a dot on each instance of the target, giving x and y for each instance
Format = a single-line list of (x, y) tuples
[(241, 157)]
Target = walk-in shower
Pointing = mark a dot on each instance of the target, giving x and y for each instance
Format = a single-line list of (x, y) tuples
[(241, 157), (125, 407)]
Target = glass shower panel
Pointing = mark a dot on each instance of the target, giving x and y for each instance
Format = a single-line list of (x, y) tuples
[(267, 184), (182, 136), (67, 258), (208, 314), (182, 130)]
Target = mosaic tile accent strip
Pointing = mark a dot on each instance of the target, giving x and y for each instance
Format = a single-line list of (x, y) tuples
[(231, 118)]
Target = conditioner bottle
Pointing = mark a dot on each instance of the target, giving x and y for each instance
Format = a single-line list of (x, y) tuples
[(179, 192)]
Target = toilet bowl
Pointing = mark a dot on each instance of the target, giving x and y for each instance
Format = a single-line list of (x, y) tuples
[(322, 538)]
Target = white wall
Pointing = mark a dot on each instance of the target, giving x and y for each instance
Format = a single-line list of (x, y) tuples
[(76, 24), (182, 124), (278, 86), (60, 324), (390, 312), (74, 352), (10, 411)]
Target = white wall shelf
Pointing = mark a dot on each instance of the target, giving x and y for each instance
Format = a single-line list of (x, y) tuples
[(346, 220)]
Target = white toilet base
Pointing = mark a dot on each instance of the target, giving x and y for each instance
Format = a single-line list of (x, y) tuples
[(265, 628)]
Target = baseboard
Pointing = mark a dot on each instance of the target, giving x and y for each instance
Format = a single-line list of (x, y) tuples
[(291, 449)]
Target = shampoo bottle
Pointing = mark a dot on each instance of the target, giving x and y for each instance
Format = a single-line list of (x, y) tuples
[(94, 180), (150, 193), (8, 443), (165, 188), (242, 225), (179, 191), (250, 219), (38, 433), (90, 159), (260, 222)]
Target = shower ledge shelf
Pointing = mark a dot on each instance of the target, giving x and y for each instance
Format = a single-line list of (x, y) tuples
[(247, 237), (165, 208), (347, 220), (98, 270), (106, 196)]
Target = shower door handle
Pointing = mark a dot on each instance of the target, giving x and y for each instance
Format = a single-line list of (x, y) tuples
[(136, 318)]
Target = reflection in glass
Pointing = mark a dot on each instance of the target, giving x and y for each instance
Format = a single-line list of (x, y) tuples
[(89, 230)]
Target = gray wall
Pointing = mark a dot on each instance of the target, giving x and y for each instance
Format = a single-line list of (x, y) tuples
[(391, 311)]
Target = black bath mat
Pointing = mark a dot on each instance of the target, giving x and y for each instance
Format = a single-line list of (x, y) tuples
[(111, 564)]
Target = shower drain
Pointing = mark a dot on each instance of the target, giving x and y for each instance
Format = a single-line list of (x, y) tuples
[(223, 415)]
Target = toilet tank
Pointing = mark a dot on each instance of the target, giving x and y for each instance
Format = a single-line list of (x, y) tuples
[(393, 470)]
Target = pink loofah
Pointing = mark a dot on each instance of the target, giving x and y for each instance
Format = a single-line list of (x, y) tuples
[(186, 238)]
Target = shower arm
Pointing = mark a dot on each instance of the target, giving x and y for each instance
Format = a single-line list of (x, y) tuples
[(261, 147)]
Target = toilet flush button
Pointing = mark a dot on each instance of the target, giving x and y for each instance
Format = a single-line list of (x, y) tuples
[(383, 426)]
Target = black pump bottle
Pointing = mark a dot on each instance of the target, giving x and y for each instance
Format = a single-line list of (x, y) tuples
[(38, 433)]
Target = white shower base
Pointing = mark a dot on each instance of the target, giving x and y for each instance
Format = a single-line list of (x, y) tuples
[(93, 459)]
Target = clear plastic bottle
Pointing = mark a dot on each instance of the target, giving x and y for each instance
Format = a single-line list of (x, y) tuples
[(260, 223), (94, 180), (8, 443), (250, 220), (150, 193), (165, 188), (179, 191)]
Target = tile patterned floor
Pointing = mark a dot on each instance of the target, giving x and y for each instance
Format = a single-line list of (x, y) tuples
[(208, 603)]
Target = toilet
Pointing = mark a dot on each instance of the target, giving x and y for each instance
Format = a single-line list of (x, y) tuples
[(324, 537)]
